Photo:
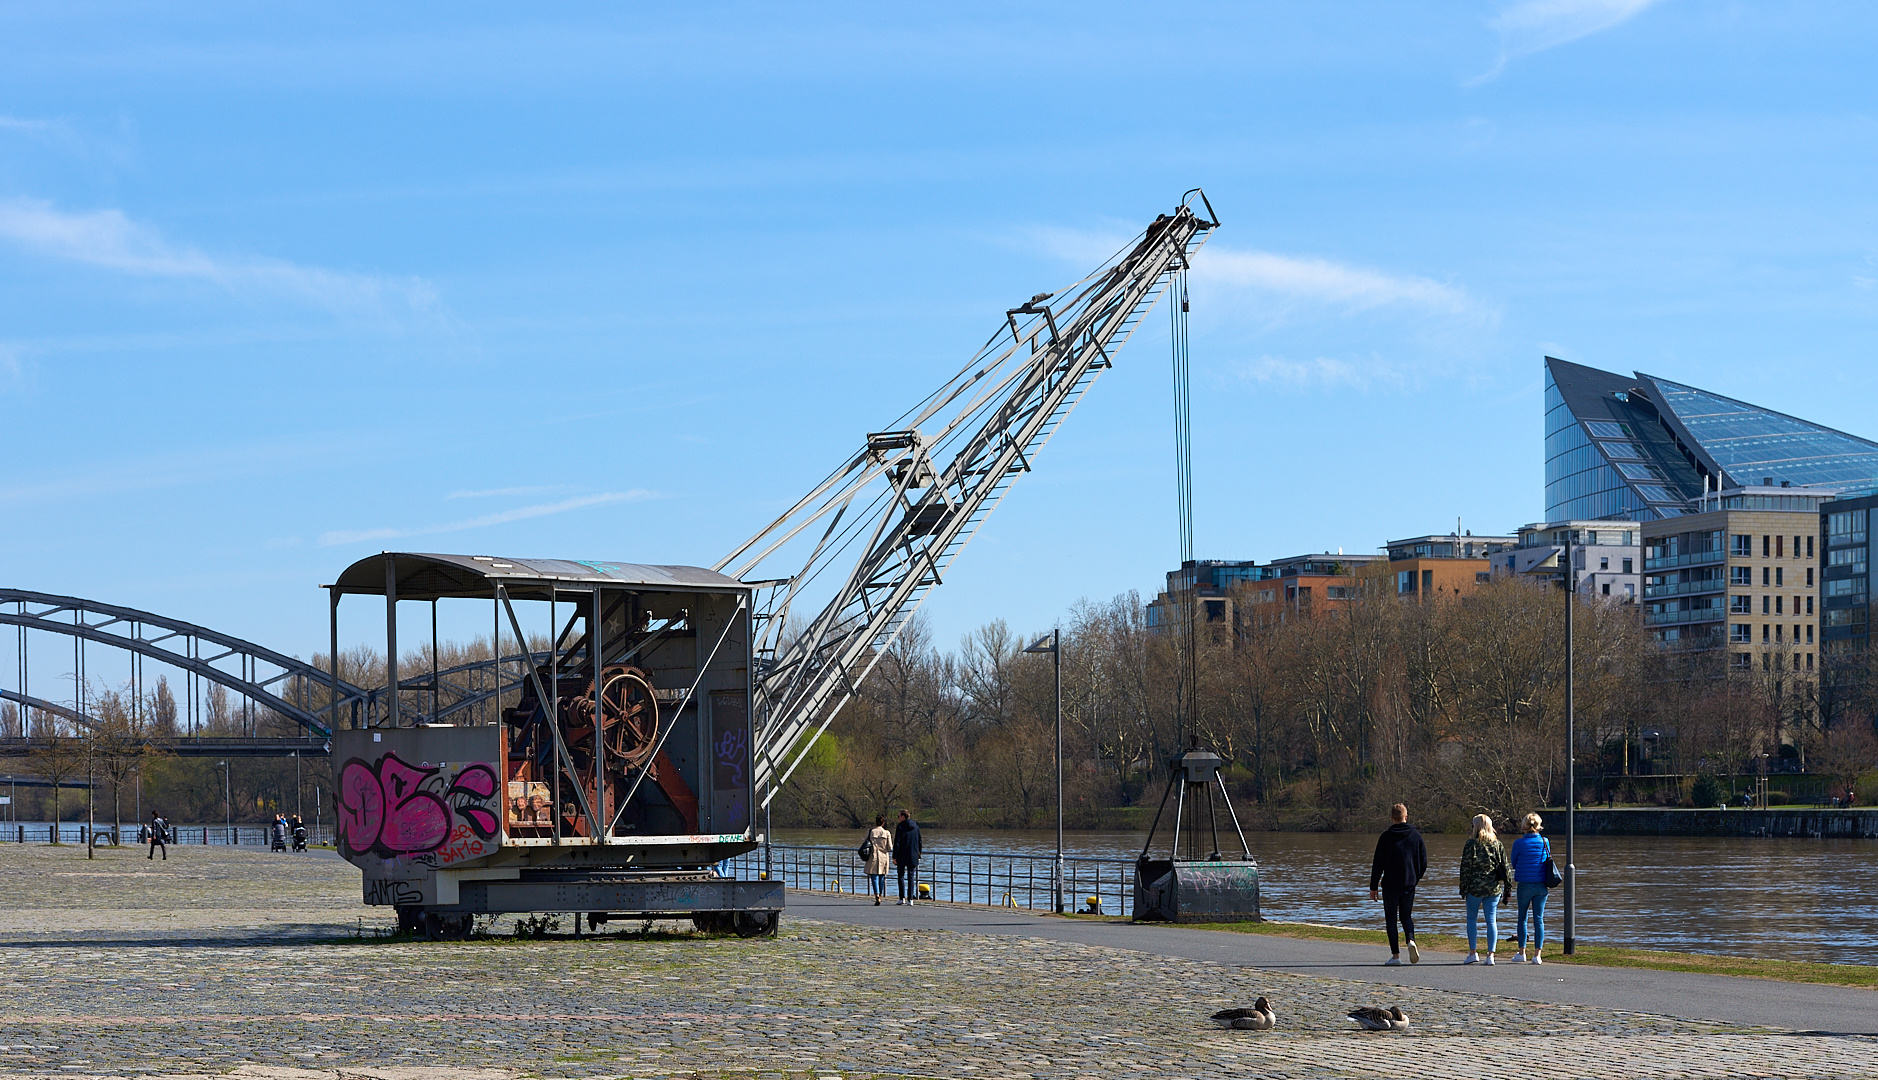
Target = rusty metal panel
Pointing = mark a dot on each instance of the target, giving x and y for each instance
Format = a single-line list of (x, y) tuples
[(630, 897), (1210, 891)]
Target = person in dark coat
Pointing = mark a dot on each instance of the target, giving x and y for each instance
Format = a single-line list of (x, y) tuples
[(906, 848), (158, 833), (1400, 864)]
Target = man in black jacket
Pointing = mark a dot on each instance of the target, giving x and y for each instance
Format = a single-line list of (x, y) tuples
[(906, 847), (1401, 862)]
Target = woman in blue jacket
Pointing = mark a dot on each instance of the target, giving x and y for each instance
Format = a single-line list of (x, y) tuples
[(1530, 854)]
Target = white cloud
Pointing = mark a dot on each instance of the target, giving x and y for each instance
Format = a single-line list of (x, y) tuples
[(499, 518), (490, 493), (1322, 371), (1313, 280), (1532, 26), (109, 239)]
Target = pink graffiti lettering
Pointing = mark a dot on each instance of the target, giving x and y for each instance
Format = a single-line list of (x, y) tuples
[(393, 808)]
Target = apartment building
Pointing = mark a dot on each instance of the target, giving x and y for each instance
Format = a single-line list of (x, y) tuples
[(1608, 556), (1453, 565), (1846, 567), (1742, 575)]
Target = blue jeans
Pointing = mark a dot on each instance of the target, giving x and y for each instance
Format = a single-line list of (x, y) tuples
[(908, 880), (1476, 905), (1532, 895), (877, 884)]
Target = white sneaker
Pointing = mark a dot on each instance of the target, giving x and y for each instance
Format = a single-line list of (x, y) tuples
[(1472, 958), (1536, 960), (1519, 957), (1489, 960), (1415, 954), (1393, 961)]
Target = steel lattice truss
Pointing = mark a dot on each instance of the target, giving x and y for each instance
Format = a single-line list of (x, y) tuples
[(262, 673), (912, 498)]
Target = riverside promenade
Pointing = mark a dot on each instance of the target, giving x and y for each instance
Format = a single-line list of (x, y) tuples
[(261, 965)]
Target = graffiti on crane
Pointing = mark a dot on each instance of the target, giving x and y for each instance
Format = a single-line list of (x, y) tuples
[(394, 809)]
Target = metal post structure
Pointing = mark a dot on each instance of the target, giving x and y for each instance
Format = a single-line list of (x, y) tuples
[(1571, 746), (228, 801), (391, 640), (1055, 649)]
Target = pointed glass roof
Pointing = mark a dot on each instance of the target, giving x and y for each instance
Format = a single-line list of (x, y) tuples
[(1752, 445)]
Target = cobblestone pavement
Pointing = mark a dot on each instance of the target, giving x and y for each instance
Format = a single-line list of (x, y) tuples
[(226, 960)]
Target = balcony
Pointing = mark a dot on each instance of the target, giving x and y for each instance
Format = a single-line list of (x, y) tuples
[(1685, 588), (1676, 618), (1693, 558)]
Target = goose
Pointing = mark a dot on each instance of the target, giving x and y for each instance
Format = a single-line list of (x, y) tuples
[(1258, 1018), (1371, 1018)]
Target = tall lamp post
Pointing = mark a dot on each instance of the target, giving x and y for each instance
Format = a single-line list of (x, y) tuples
[(228, 803), (1571, 746), (1055, 649)]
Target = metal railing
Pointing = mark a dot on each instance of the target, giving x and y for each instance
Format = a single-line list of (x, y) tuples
[(1693, 558), (1671, 618), (956, 877), (192, 835), (1681, 588)]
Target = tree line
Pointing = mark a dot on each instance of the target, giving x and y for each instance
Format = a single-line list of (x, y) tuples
[(1455, 703)]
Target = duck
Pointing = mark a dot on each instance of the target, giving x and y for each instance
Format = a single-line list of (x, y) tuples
[(1371, 1018), (1258, 1018)]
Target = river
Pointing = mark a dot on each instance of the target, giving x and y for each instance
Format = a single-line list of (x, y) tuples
[(1777, 898)]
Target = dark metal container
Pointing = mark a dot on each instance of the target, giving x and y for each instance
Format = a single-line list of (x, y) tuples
[(1196, 892)]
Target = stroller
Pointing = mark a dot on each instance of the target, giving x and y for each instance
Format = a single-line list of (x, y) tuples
[(280, 836), (299, 837)]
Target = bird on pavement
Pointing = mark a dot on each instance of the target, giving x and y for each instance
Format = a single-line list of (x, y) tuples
[(1371, 1018), (1258, 1018)]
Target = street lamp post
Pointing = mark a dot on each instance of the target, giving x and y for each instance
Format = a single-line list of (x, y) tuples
[(1571, 746), (228, 803), (1055, 649)]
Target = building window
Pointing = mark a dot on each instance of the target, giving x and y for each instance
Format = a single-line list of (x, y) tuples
[(1741, 605), (1405, 582), (1809, 577), (1809, 605), (1766, 634), (1607, 588), (1741, 633), (1767, 605), (1767, 662), (1629, 566), (1767, 543), (1744, 546), (1778, 627), (1780, 547), (1766, 577), (1481, 577), (1809, 547), (1809, 656), (1741, 661), (1809, 633), (1845, 587), (1604, 563), (1780, 575), (1741, 575), (1780, 605), (1428, 582)]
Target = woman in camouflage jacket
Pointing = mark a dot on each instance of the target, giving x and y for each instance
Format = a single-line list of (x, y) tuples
[(1486, 880)]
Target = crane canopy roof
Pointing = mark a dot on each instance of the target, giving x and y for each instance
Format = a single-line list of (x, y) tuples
[(432, 577)]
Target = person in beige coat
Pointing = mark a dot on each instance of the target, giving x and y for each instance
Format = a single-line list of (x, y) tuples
[(879, 844)]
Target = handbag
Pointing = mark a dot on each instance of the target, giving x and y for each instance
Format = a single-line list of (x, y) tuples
[(1552, 877), (866, 850)]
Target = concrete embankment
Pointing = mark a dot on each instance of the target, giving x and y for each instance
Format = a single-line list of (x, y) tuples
[(1835, 824)]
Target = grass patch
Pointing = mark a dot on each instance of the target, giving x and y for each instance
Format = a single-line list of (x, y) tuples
[(1800, 971)]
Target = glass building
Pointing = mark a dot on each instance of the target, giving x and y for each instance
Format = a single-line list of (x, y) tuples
[(1643, 448)]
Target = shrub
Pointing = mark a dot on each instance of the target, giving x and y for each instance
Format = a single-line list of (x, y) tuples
[(1706, 791)]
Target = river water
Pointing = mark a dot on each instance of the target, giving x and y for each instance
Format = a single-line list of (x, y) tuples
[(1786, 899)]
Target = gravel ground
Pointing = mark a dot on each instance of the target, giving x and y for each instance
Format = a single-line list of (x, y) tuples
[(227, 960)]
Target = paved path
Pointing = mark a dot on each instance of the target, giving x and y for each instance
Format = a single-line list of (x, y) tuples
[(1722, 998), (225, 960)]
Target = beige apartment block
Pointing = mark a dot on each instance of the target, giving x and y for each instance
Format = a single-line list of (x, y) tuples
[(1741, 580)]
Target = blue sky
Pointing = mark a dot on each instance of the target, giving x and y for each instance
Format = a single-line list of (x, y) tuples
[(285, 285)]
